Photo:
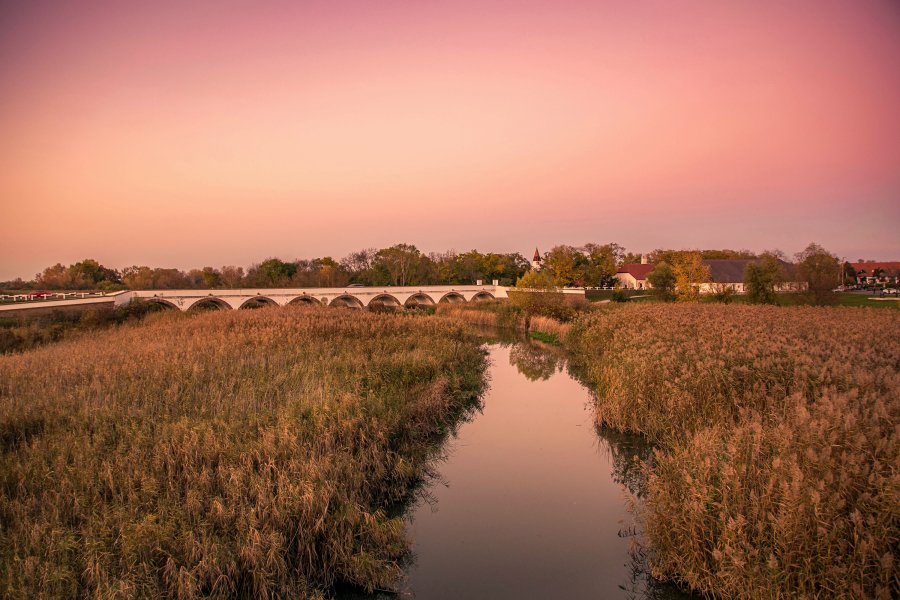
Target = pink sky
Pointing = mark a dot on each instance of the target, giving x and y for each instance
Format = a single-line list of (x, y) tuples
[(226, 132)]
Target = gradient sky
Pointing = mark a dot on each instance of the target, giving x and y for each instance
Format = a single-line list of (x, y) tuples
[(207, 133)]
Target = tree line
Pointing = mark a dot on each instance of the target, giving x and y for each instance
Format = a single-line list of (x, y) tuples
[(400, 264), (677, 273), (678, 276)]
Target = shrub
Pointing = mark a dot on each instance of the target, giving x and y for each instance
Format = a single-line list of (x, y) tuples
[(618, 296)]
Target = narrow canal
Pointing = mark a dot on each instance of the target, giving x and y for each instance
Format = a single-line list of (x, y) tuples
[(528, 501)]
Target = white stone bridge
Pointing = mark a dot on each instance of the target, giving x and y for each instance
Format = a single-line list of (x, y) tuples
[(352, 297)]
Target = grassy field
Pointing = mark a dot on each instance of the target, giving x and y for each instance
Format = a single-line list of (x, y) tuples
[(240, 453), (777, 470), (842, 299)]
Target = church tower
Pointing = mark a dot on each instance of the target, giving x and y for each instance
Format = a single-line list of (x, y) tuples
[(536, 261)]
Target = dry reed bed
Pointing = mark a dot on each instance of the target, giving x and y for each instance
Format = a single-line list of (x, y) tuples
[(247, 453), (462, 314), (502, 314), (779, 436)]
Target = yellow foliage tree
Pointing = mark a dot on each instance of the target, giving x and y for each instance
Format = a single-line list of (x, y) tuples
[(690, 272)]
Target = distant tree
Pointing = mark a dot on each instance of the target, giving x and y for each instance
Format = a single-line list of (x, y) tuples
[(565, 264), (536, 280), (358, 265), (470, 266), (444, 267), (820, 270), (83, 275), (169, 279), (137, 278), (93, 273), (762, 277), (849, 274), (726, 254), (53, 278), (272, 272), (602, 263), (232, 277), (690, 273), (400, 262), (536, 293), (662, 279), (330, 273), (212, 278)]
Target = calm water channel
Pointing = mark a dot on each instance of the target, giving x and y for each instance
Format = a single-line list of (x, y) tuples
[(529, 501)]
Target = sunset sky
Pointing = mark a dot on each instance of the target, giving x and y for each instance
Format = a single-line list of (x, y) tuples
[(208, 133)]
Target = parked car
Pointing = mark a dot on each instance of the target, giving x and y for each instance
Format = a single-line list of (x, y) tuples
[(890, 292)]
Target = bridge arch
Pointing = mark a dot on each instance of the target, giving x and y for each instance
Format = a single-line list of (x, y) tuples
[(305, 300), (258, 302), (452, 298), (384, 301), (480, 296), (210, 303), (346, 301), (418, 300), (165, 304)]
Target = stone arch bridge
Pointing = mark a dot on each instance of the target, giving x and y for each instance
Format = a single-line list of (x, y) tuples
[(350, 297)]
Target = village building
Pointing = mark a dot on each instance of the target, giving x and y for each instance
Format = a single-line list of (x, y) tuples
[(874, 272), (723, 274), (730, 274), (633, 276)]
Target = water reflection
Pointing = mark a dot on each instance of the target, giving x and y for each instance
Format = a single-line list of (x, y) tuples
[(529, 499), (536, 361)]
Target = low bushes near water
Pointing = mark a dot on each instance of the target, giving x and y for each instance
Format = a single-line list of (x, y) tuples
[(508, 315), (240, 453), (777, 428)]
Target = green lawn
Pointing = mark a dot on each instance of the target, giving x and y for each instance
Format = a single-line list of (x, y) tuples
[(866, 300)]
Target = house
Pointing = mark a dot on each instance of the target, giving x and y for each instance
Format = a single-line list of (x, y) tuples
[(730, 274), (633, 276), (873, 272)]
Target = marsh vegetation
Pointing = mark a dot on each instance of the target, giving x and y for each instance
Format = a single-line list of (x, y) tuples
[(776, 474), (248, 453)]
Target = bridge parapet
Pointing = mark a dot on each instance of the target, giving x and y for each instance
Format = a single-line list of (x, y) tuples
[(358, 297)]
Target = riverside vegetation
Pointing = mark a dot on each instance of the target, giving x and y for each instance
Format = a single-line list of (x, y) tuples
[(776, 473), (247, 453)]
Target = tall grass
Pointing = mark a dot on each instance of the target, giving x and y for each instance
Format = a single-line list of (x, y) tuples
[(240, 453), (779, 434), (506, 315)]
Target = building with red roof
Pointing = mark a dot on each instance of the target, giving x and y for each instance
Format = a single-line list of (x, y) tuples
[(870, 271), (633, 276)]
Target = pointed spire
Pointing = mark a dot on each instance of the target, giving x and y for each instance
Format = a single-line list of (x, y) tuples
[(537, 255)]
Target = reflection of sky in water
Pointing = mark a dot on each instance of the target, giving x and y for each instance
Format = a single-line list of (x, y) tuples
[(529, 503)]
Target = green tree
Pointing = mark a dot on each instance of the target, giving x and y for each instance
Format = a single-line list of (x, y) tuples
[(820, 271), (662, 279), (400, 262), (602, 262), (536, 293), (212, 278), (276, 272), (762, 277), (565, 264)]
